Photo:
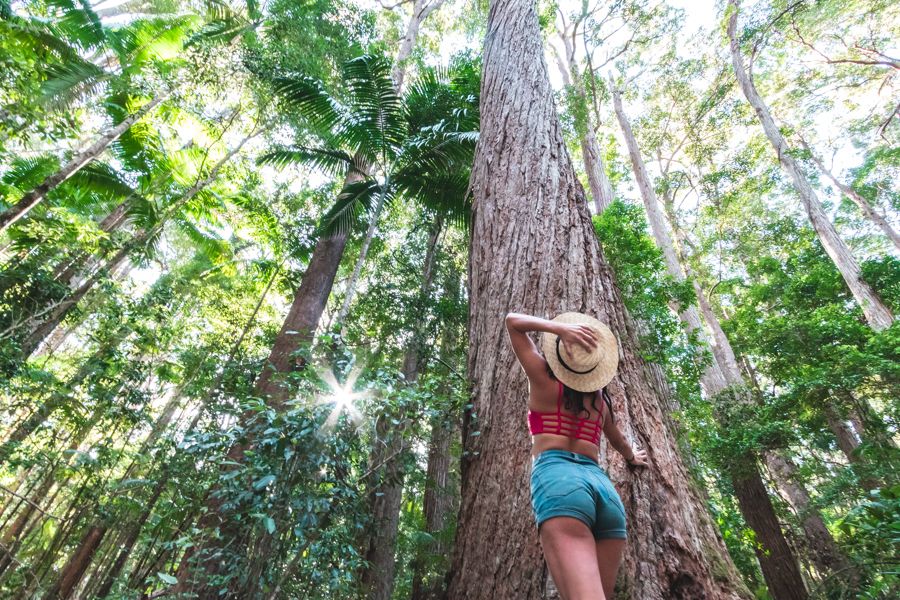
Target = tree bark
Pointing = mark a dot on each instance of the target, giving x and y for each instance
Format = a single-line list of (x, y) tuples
[(77, 565), (32, 198), (776, 558), (436, 505), (877, 314), (533, 249)]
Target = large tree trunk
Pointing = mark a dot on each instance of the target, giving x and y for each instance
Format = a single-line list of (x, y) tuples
[(877, 314), (32, 198), (533, 249)]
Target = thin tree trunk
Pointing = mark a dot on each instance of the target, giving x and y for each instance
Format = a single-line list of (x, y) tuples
[(779, 566), (77, 565), (134, 532), (357, 268), (421, 10), (32, 198), (877, 314), (712, 378), (540, 255), (776, 558), (865, 208), (824, 552), (389, 450), (34, 339), (436, 505), (594, 166)]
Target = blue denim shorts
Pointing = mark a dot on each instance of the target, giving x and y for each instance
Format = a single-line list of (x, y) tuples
[(567, 484)]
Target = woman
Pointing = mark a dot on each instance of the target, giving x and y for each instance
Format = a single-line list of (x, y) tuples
[(580, 517)]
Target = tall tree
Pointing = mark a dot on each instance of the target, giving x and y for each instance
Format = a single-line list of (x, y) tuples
[(877, 314), (540, 255)]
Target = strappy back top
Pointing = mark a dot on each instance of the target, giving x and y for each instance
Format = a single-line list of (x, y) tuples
[(560, 423)]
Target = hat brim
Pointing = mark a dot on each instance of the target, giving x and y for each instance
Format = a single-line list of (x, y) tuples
[(605, 370)]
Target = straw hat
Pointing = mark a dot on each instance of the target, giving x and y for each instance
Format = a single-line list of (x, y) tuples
[(576, 367)]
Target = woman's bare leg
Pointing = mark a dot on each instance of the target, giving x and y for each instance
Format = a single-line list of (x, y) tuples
[(571, 554), (609, 557)]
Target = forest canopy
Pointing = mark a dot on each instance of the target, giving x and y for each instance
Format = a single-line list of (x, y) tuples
[(255, 259)]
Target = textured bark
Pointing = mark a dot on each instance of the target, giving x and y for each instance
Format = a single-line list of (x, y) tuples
[(34, 197), (385, 494), (823, 550), (877, 314), (533, 249), (712, 379)]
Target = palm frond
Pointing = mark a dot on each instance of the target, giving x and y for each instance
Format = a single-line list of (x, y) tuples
[(332, 162), (145, 40), (443, 190), (27, 173), (78, 23), (437, 150), (101, 179), (309, 98), (354, 199), (378, 122), (69, 82)]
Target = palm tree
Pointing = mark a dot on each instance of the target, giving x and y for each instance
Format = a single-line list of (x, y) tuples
[(415, 147), (115, 56)]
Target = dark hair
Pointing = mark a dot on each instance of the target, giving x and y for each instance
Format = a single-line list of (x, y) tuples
[(573, 400)]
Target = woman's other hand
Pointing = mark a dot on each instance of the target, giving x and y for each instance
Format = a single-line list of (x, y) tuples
[(640, 459)]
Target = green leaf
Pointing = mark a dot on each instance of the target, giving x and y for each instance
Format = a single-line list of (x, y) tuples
[(166, 578), (263, 482)]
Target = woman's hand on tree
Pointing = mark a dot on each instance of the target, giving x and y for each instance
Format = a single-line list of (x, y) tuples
[(640, 459)]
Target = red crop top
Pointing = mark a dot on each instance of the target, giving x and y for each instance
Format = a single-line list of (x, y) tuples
[(560, 423)]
